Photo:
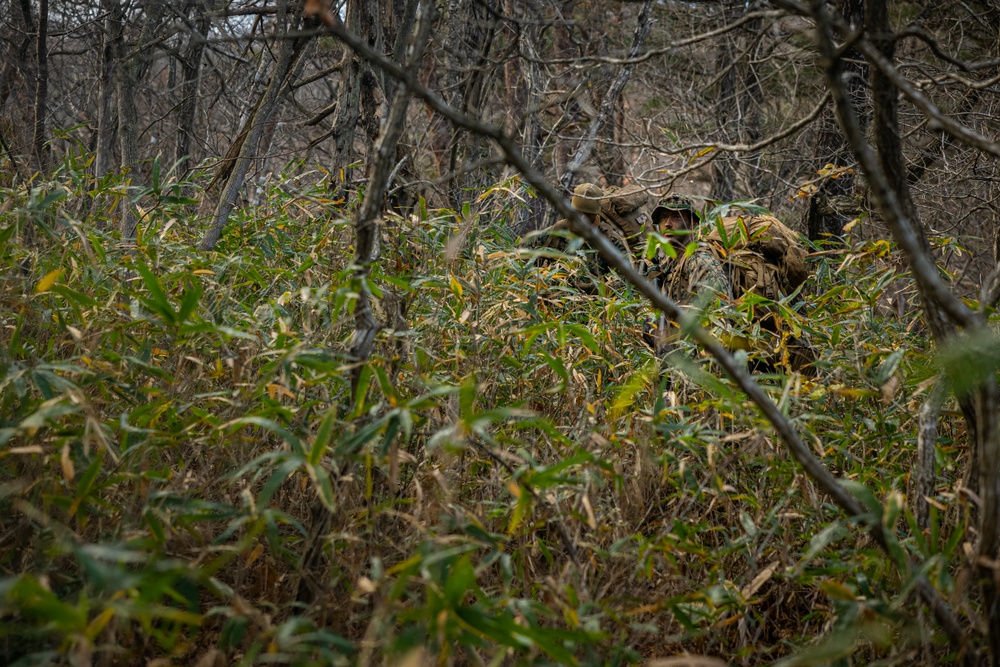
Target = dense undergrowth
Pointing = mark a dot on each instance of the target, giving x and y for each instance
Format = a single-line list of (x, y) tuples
[(186, 475)]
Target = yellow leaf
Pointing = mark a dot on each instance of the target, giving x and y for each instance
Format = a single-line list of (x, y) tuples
[(254, 555), (520, 511), (838, 591), (35, 449), (702, 153), (203, 272), (48, 281), (591, 519), (99, 622), (456, 287), (67, 464), (276, 390)]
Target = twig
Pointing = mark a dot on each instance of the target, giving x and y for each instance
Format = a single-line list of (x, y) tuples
[(10, 156), (567, 541)]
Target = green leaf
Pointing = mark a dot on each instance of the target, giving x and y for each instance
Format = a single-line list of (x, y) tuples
[(189, 302), (158, 300), (460, 580), (48, 411), (968, 359), (832, 533), (73, 295), (278, 477), (324, 436), (269, 425), (888, 367), (636, 383)]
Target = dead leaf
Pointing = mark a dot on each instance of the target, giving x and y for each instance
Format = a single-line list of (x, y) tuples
[(591, 519), (759, 580), (889, 389), (320, 9), (214, 658), (687, 661)]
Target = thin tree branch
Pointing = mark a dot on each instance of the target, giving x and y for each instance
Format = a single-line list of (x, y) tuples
[(903, 229), (635, 59), (766, 141), (366, 227), (927, 422)]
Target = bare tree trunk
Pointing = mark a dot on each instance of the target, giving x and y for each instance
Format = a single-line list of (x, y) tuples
[(522, 78), (925, 478), (571, 112), (608, 152), (288, 53), (738, 110), (358, 88), (107, 124), (644, 25), (128, 71), (366, 227), (832, 207), (191, 77), (944, 312), (14, 96), (723, 171), (467, 43), (41, 87)]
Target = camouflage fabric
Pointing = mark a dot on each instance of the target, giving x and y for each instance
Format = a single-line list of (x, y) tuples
[(620, 214), (675, 202), (587, 198), (627, 211), (696, 277), (766, 256), (753, 254), (758, 254)]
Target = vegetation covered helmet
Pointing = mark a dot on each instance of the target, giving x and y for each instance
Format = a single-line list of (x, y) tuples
[(587, 198)]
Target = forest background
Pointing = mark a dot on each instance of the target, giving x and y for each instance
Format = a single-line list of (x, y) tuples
[(285, 380)]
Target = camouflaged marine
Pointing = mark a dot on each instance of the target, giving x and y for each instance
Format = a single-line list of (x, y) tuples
[(621, 214), (750, 254), (689, 275), (739, 256)]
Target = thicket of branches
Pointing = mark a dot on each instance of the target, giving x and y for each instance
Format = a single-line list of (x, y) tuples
[(281, 382)]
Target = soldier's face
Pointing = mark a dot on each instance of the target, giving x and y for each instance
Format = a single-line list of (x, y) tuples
[(674, 225), (673, 222)]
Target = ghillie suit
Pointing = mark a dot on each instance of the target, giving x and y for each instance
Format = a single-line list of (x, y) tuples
[(750, 255), (621, 214), (738, 257)]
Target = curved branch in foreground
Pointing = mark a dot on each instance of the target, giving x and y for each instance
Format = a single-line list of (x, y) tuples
[(797, 448)]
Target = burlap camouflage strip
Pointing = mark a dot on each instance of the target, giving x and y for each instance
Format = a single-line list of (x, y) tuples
[(768, 255)]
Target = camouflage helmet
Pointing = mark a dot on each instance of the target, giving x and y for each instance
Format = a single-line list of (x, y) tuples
[(587, 198), (675, 202)]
